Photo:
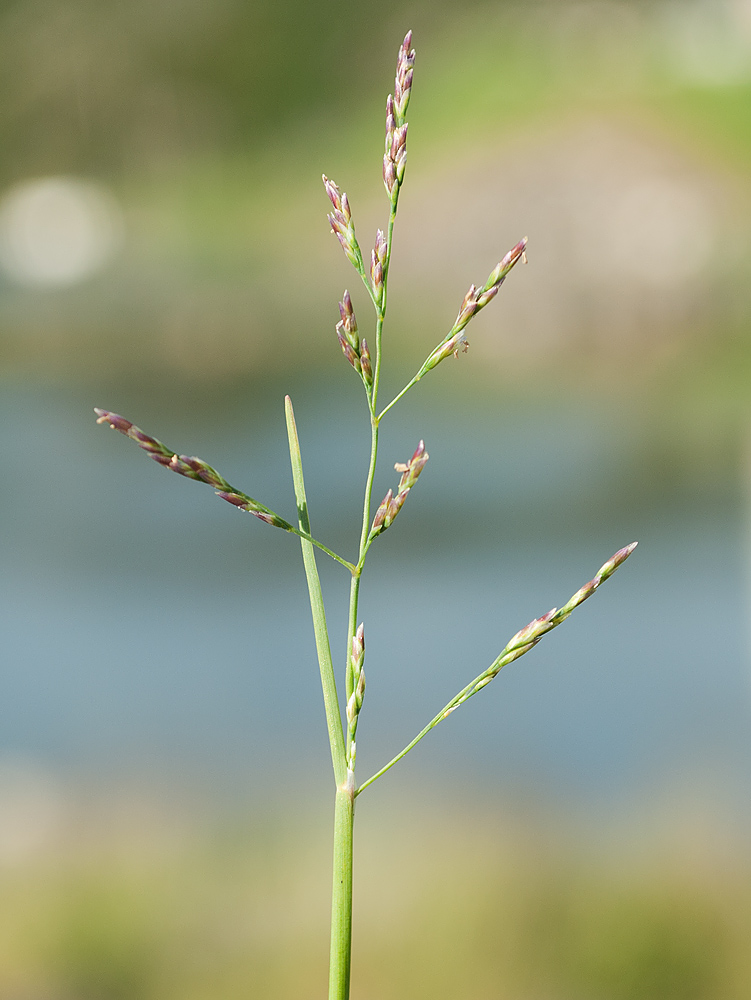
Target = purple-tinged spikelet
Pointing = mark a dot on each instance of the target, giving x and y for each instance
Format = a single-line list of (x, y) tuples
[(365, 363), (475, 300), (341, 222), (395, 153), (377, 264), (411, 470), (348, 322), (354, 350), (531, 634), (405, 64), (588, 589), (445, 350), (393, 503), (354, 702), (349, 352), (190, 467)]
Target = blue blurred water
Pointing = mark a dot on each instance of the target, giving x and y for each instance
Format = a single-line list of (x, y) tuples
[(148, 628)]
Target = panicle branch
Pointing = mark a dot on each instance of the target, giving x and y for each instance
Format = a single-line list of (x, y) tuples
[(392, 504), (531, 634), (475, 300), (395, 153), (520, 644), (190, 467), (354, 350)]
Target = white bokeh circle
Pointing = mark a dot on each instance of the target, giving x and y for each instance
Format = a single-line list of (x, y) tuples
[(58, 231)]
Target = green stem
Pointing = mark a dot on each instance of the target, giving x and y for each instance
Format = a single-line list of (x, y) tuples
[(341, 898), (341, 893), (328, 681)]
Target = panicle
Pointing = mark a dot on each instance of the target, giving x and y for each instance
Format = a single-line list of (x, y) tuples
[(531, 634), (354, 350), (190, 467), (341, 223), (393, 503), (395, 152), (475, 300)]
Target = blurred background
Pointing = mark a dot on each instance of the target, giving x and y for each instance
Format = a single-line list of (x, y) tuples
[(578, 832)]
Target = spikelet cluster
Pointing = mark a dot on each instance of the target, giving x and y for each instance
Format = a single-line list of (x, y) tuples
[(475, 300), (354, 703), (395, 153), (377, 265), (355, 350), (531, 634), (190, 467), (341, 223), (393, 503)]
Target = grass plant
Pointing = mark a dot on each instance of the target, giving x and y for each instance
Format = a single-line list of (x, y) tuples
[(366, 360)]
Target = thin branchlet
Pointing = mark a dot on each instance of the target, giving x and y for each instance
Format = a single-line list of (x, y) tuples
[(475, 300), (195, 468), (521, 643)]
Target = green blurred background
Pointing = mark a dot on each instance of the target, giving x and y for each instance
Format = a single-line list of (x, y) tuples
[(580, 831)]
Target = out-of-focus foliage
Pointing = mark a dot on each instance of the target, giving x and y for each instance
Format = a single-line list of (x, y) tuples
[(613, 134), (477, 909)]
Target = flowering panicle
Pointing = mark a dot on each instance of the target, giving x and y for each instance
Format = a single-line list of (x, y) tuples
[(475, 300), (531, 634), (392, 504), (190, 467), (355, 350), (395, 153), (354, 703), (341, 223)]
